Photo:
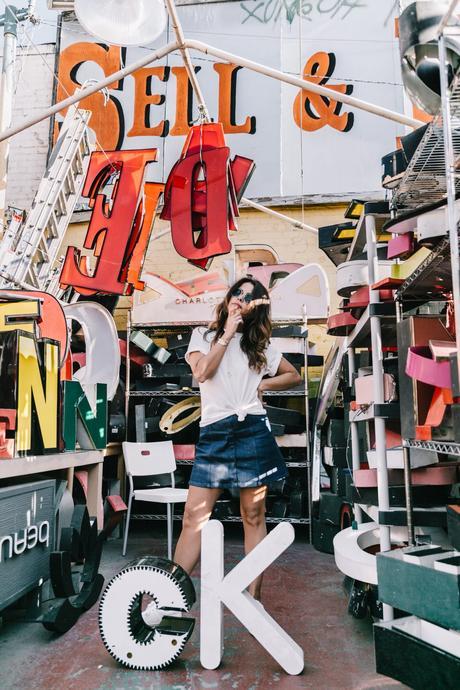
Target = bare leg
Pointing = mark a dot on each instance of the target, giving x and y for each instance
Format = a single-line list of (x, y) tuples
[(252, 507), (197, 511)]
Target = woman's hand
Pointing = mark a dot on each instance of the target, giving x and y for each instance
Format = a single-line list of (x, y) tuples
[(234, 319), (260, 391)]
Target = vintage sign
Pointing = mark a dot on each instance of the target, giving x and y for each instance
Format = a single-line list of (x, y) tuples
[(119, 224), (295, 289), (122, 626), (26, 537), (202, 194), (79, 543), (303, 144), (149, 640), (35, 387)]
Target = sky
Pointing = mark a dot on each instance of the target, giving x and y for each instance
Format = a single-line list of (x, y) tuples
[(44, 32)]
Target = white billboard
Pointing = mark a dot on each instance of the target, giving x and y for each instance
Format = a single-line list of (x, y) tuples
[(302, 146)]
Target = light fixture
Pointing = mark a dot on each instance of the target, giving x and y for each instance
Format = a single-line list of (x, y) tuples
[(122, 22)]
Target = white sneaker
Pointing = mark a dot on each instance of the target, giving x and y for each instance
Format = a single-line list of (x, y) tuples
[(152, 616)]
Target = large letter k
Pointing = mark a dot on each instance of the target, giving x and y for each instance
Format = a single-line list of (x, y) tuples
[(230, 590)]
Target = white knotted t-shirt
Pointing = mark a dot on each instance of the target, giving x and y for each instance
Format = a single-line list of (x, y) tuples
[(233, 388)]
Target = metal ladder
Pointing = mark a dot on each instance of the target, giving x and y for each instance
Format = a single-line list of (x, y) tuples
[(28, 252)]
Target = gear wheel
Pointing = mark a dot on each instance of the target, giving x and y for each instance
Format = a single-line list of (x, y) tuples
[(125, 634)]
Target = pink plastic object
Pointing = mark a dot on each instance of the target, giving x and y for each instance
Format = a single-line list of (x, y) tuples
[(441, 475), (422, 368), (341, 324), (442, 349), (184, 451), (400, 246), (403, 226), (360, 298), (82, 477), (364, 389), (117, 503), (264, 273)]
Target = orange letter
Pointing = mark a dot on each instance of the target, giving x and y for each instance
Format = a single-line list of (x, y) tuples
[(143, 99), (227, 101), (311, 111), (106, 120)]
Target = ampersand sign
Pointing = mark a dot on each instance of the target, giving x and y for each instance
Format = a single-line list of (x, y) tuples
[(312, 111)]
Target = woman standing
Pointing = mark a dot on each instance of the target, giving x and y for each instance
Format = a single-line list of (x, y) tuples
[(236, 448)]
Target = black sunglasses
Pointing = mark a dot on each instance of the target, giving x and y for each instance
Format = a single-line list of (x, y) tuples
[(247, 297)]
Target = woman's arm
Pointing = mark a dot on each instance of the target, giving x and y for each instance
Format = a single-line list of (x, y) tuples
[(286, 377), (205, 366)]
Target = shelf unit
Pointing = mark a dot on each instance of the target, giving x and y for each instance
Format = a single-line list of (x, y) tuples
[(425, 181), (231, 518), (186, 393), (285, 441), (447, 447)]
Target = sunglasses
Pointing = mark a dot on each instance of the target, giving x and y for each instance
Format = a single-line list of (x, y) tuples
[(248, 297), (245, 296)]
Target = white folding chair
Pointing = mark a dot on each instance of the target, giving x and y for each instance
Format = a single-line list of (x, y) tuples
[(144, 459)]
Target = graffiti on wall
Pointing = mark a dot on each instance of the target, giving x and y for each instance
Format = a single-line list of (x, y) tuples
[(273, 11)]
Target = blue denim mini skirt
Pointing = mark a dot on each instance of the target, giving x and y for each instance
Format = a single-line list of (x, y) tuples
[(232, 454)]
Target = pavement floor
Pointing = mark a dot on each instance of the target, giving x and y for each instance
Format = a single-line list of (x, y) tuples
[(302, 591)]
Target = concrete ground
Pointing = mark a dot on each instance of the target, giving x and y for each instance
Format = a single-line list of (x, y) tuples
[(302, 591)]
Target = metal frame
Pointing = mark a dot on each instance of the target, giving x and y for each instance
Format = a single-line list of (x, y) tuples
[(307, 464), (451, 114)]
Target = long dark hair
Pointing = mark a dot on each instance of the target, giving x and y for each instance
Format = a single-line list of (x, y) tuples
[(257, 327)]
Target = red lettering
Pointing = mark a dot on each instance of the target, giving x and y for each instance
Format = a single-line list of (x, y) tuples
[(110, 230)]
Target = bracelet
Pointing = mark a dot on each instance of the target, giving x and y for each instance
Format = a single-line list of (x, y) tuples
[(223, 342)]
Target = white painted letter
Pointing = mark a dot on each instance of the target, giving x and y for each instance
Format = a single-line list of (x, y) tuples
[(32, 536), (229, 590), (20, 545), (9, 541), (44, 533)]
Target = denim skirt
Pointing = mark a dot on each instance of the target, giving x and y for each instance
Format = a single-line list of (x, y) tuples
[(232, 454)]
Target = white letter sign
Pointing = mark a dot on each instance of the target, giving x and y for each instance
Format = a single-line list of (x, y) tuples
[(217, 589)]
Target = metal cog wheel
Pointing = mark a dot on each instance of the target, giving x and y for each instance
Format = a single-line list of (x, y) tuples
[(125, 634)]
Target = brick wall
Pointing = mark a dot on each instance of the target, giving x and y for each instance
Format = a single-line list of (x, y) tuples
[(29, 149)]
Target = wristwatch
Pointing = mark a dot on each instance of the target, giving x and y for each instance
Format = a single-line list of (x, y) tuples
[(223, 342)]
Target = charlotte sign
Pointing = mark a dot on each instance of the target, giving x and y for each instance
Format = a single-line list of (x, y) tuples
[(346, 45)]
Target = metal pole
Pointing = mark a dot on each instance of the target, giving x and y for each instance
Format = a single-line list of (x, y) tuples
[(6, 99), (407, 468), (281, 216), (379, 397), (177, 26), (355, 458), (450, 182), (304, 84), (307, 420), (128, 371), (445, 20)]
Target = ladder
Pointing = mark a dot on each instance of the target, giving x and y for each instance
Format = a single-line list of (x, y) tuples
[(28, 252)]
